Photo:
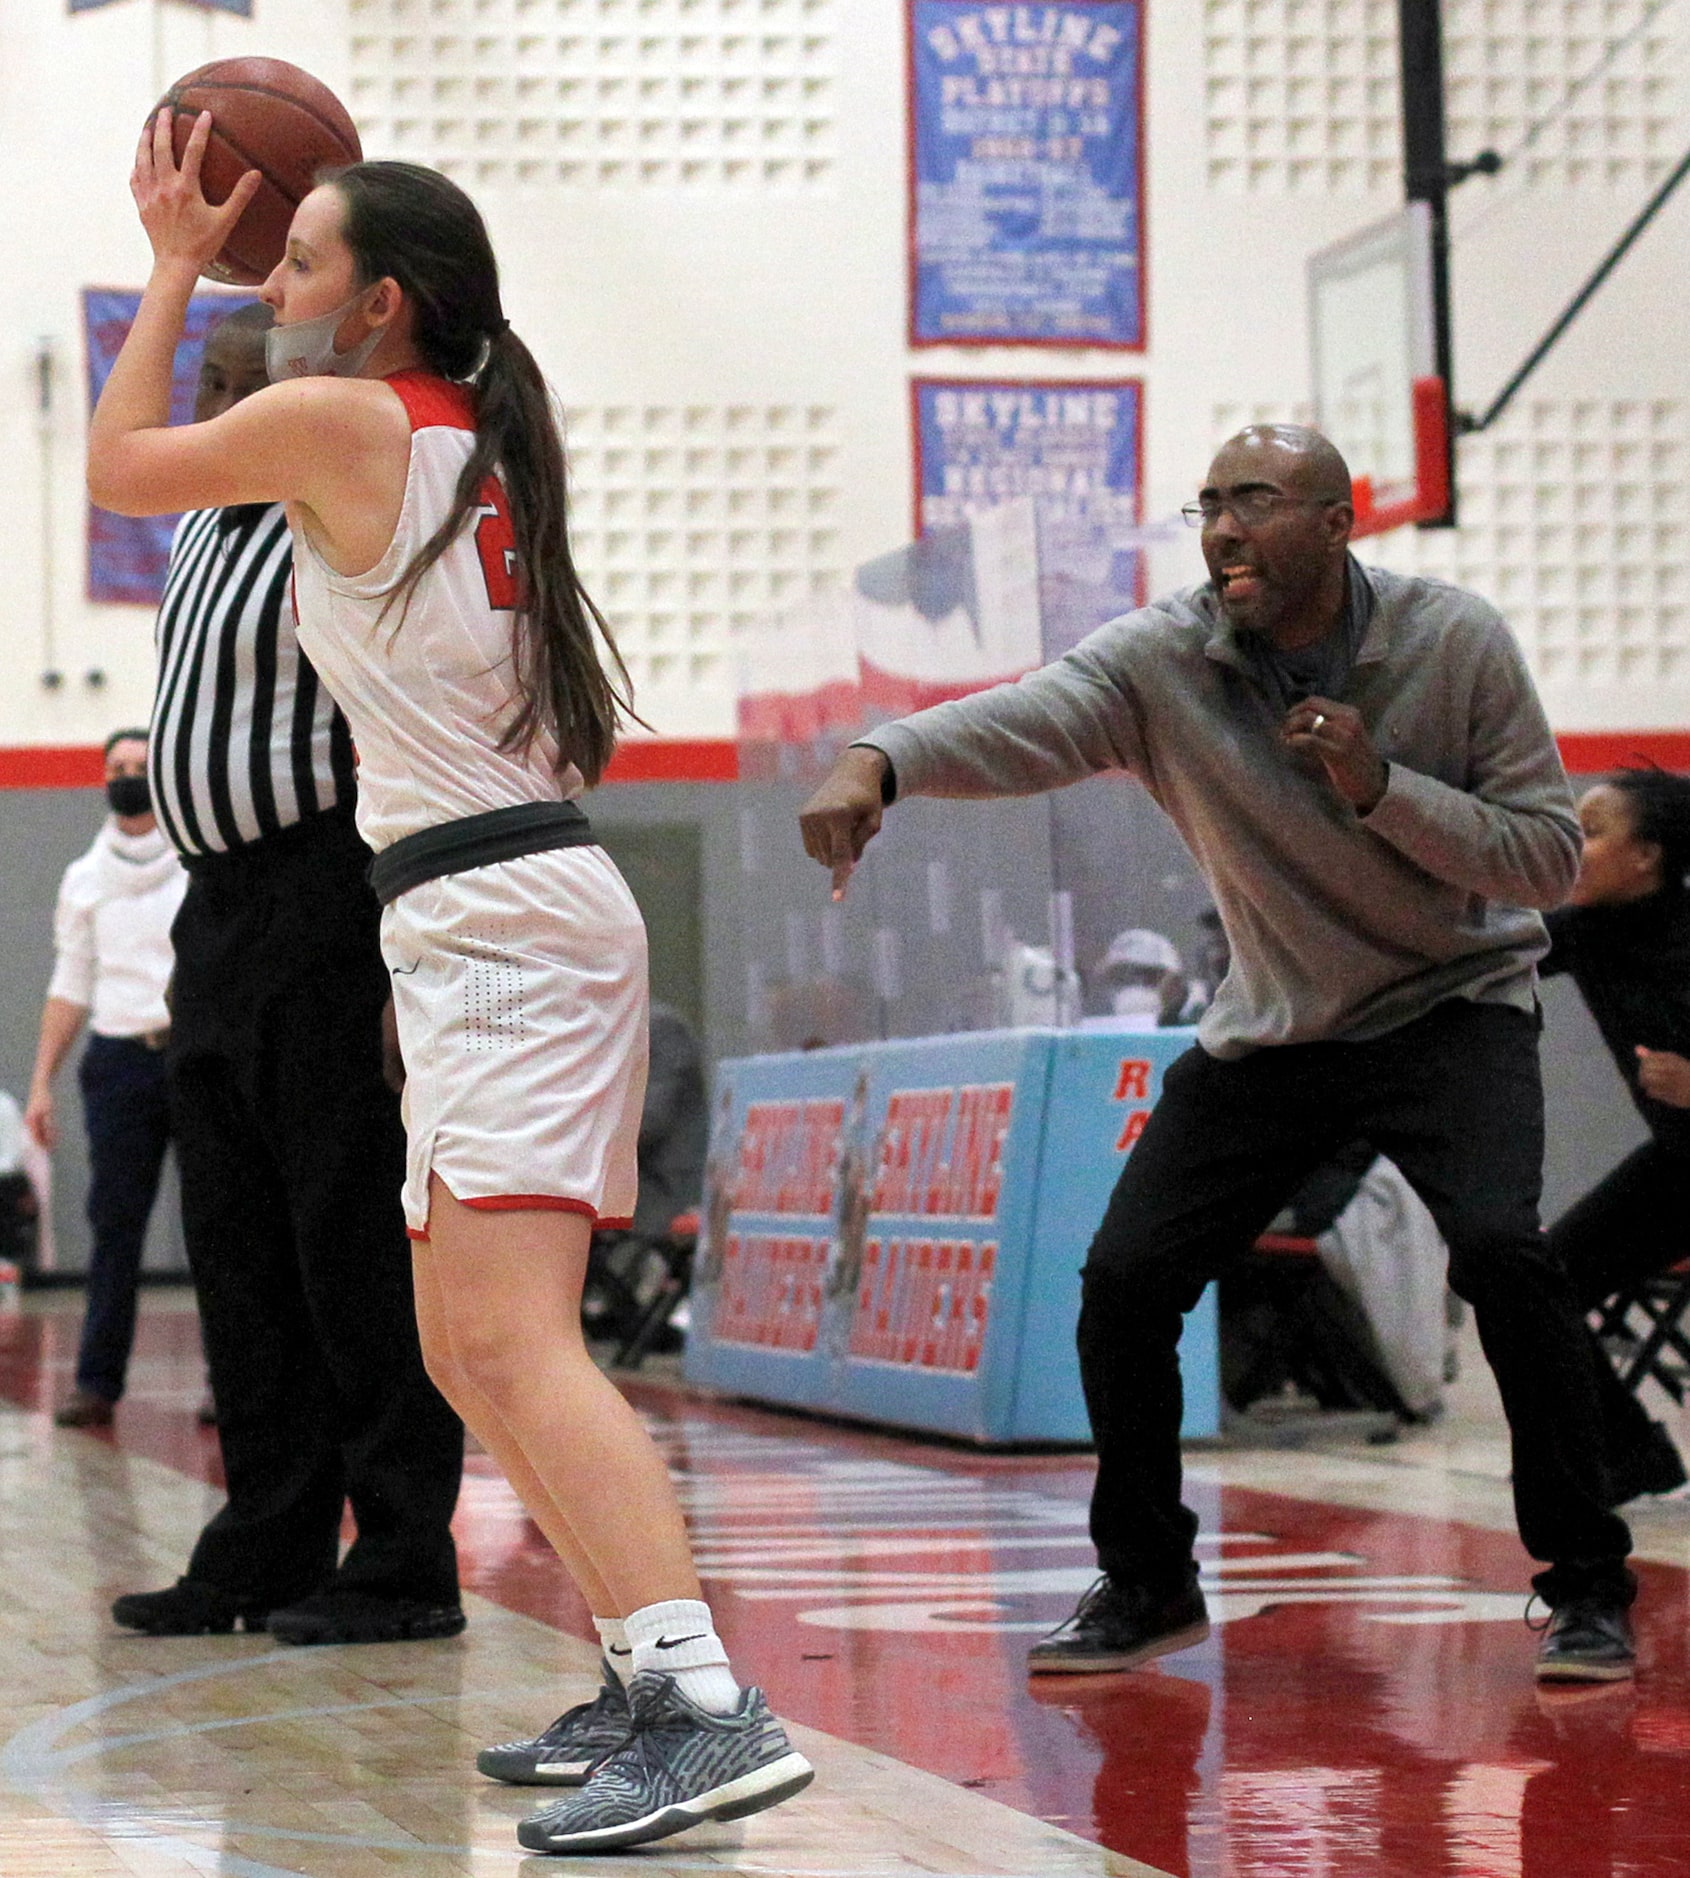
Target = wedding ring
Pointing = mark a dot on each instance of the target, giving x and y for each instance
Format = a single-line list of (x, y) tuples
[(1319, 719)]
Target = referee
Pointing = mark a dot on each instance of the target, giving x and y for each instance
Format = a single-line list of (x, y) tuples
[(290, 1143)]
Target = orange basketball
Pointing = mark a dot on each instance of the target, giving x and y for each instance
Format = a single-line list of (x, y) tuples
[(270, 116)]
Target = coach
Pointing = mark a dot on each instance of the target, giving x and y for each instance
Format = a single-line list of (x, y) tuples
[(290, 1144), (1361, 768)]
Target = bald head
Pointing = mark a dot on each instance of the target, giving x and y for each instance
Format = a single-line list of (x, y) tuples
[(1292, 457), (1277, 514)]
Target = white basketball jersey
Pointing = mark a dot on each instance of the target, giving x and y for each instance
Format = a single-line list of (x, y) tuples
[(428, 688)]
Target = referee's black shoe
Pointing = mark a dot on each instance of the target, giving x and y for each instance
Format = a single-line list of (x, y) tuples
[(1116, 1627), (191, 1607), (344, 1615), (1587, 1639)]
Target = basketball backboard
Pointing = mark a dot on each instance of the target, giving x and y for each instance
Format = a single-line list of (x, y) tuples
[(1377, 393)]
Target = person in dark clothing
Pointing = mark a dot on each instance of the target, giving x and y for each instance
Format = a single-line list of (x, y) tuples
[(1624, 940), (288, 1136), (1361, 768)]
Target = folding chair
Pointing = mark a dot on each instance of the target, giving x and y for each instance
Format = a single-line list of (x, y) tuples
[(1644, 1329)]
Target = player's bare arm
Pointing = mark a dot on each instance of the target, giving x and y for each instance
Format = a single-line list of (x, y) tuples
[(333, 446)]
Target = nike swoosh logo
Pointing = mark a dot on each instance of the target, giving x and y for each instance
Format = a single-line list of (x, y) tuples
[(405, 971), (674, 1643), (615, 1650)]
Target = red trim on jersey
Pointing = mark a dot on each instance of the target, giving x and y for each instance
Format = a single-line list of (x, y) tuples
[(530, 1203), (434, 403), (534, 1203)]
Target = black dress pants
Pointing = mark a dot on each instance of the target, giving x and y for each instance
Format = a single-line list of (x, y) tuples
[(1455, 1099), (127, 1113), (292, 1157), (1633, 1223)]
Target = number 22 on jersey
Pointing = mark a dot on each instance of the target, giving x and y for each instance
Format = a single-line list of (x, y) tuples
[(495, 542)]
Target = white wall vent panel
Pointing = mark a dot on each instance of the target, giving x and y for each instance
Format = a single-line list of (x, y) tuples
[(601, 94), (692, 521), (1301, 95)]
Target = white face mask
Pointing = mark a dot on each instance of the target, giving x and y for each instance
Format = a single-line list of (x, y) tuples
[(305, 349)]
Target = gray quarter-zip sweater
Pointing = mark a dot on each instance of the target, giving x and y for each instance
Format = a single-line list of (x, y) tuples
[(1341, 926)]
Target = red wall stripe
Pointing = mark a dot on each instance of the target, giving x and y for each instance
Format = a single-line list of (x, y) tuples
[(657, 759), (1589, 752), (52, 766), (716, 759)]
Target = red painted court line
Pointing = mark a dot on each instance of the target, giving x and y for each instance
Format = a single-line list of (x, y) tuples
[(1313, 1737)]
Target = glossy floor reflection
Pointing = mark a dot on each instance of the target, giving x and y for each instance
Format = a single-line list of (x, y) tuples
[(1365, 1707)]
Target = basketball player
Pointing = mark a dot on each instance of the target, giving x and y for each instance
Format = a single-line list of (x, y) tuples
[(413, 439), (1362, 769)]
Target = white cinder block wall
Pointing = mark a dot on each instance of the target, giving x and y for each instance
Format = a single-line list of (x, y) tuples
[(700, 209)]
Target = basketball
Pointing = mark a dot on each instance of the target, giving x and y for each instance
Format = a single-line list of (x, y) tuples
[(270, 116)]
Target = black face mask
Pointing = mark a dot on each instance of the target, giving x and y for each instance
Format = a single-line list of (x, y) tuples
[(129, 795)]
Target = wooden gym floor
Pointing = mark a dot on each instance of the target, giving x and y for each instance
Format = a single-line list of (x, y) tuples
[(1364, 1708)]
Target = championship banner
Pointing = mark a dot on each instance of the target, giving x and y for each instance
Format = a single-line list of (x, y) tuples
[(127, 554), (1026, 173), (1072, 452), (1075, 448)]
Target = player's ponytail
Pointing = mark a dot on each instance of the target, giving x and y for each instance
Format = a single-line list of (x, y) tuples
[(1659, 801), (415, 225)]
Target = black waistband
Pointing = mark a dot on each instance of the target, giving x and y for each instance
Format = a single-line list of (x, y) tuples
[(477, 841)]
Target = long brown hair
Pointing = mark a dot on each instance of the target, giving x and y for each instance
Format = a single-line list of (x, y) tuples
[(414, 225)]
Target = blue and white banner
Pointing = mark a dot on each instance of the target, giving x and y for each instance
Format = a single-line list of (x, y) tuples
[(1071, 452), (1073, 447), (1027, 173), (242, 7), (127, 554)]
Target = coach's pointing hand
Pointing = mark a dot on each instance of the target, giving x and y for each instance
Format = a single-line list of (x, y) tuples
[(844, 814), (1336, 735)]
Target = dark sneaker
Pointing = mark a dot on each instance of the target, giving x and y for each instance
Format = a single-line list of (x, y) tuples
[(1117, 1627), (564, 1754), (363, 1617), (679, 1766), (189, 1608), (1587, 1639), (1654, 1466)]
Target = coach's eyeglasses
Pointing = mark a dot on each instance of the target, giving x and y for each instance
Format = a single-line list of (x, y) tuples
[(1249, 507)]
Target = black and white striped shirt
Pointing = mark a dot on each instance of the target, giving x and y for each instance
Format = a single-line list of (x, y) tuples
[(245, 741)]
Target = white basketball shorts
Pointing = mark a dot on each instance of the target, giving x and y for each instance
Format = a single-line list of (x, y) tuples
[(520, 990)]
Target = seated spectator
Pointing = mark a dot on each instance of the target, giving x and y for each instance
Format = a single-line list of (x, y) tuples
[(1140, 975), (1624, 939)]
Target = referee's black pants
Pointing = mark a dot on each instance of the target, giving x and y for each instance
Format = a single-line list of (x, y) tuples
[(292, 1157), (1633, 1223), (1455, 1099)]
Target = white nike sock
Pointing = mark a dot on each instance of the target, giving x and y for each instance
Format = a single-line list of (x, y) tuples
[(613, 1640), (679, 1639)]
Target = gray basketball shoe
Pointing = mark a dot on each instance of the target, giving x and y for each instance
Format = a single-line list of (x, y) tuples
[(563, 1755), (680, 1766)]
